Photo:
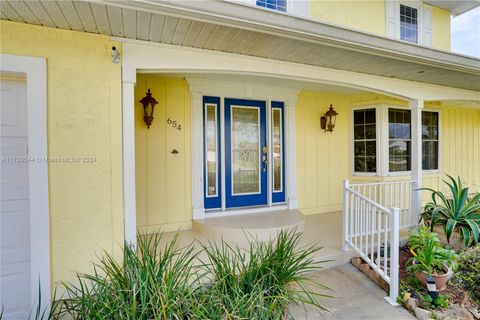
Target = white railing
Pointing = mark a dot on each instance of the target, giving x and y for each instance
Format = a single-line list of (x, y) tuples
[(391, 194), (372, 215)]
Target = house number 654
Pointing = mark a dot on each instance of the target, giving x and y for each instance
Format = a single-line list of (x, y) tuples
[(174, 124)]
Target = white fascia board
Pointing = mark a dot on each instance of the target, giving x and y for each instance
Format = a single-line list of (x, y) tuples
[(145, 56)]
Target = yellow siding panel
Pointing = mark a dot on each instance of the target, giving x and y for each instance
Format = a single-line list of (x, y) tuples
[(321, 157), (164, 196), (84, 119), (461, 133)]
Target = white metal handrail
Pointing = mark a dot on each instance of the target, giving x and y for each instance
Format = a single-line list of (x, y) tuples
[(373, 231), (390, 194)]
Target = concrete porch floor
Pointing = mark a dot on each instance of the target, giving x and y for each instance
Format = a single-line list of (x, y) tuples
[(354, 295), (325, 229)]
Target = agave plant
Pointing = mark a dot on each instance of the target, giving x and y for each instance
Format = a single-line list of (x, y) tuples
[(456, 213)]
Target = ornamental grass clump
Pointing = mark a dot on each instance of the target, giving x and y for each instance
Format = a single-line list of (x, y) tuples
[(173, 283), (149, 284), (261, 281)]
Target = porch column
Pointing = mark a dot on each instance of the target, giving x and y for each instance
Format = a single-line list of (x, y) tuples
[(198, 210), (128, 114), (291, 153), (416, 106)]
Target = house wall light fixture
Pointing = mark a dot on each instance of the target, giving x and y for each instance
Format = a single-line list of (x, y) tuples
[(148, 103), (327, 121)]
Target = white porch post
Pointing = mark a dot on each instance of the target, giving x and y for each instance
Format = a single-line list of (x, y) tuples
[(291, 153), (416, 106), (129, 196), (198, 210)]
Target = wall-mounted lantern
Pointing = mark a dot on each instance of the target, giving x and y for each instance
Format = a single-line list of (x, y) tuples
[(327, 121), (148, 103)]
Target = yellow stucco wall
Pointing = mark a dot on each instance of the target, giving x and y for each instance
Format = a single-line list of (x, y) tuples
[(164, 183), (358, 14), (84, 119), (441, 33), (370, 16)]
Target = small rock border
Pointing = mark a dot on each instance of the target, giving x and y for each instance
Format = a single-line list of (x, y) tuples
[(454, 312)]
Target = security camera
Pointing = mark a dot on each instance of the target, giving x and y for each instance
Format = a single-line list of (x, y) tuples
[(115, 55)]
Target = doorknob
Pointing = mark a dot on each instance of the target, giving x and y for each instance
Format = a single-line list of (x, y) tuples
[(264, 158)]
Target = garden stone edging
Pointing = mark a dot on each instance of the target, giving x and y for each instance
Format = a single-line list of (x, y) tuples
[(454, 312), (422, 314)]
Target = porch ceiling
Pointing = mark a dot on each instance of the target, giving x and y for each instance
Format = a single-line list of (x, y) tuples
[(238, 28)]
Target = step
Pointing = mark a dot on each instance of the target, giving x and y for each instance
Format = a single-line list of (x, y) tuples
[(262, 226)]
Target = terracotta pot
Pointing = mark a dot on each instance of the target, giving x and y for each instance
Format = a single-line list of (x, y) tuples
[(440, 280), (456, 242)]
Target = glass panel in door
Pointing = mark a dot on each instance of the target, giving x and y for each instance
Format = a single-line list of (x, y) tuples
[(246, 152)]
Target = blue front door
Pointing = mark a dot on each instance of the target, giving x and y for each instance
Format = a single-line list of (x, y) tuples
[(246, 153)]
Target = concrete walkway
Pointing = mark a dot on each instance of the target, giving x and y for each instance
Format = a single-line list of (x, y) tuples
[(355, 297)]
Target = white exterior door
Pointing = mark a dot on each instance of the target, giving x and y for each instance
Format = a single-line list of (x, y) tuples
[(15, 267)]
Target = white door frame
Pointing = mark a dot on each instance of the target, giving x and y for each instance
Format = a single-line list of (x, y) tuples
[(239, 90), (36, 74)]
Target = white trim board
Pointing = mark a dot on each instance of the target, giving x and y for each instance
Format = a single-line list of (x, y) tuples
[(36, 74), (144, 56)]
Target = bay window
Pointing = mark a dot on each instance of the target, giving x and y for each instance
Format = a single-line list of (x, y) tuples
[(392, 127)]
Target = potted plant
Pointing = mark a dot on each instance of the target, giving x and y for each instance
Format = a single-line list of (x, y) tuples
[(430, 258), (458, 217)]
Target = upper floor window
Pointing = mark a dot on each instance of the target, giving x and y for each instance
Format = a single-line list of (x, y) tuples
[(408, 23), (279, 5)]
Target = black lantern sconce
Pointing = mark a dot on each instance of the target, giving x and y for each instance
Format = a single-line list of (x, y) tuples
[(148, 103), (327, 121)]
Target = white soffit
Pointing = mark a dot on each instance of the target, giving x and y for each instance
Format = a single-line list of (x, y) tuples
[(457, 7), (235, 28)]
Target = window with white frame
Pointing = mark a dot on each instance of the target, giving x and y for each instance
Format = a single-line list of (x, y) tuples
[(395, 125), (408, 23), (430, 140), (279, 5), (399, 140), (365, 140)]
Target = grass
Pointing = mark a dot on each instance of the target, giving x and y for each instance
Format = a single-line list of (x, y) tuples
[(151, 282)]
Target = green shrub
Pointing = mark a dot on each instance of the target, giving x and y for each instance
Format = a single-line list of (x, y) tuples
[(428, 253), (259, 283), (468, 272), (150, 283)]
